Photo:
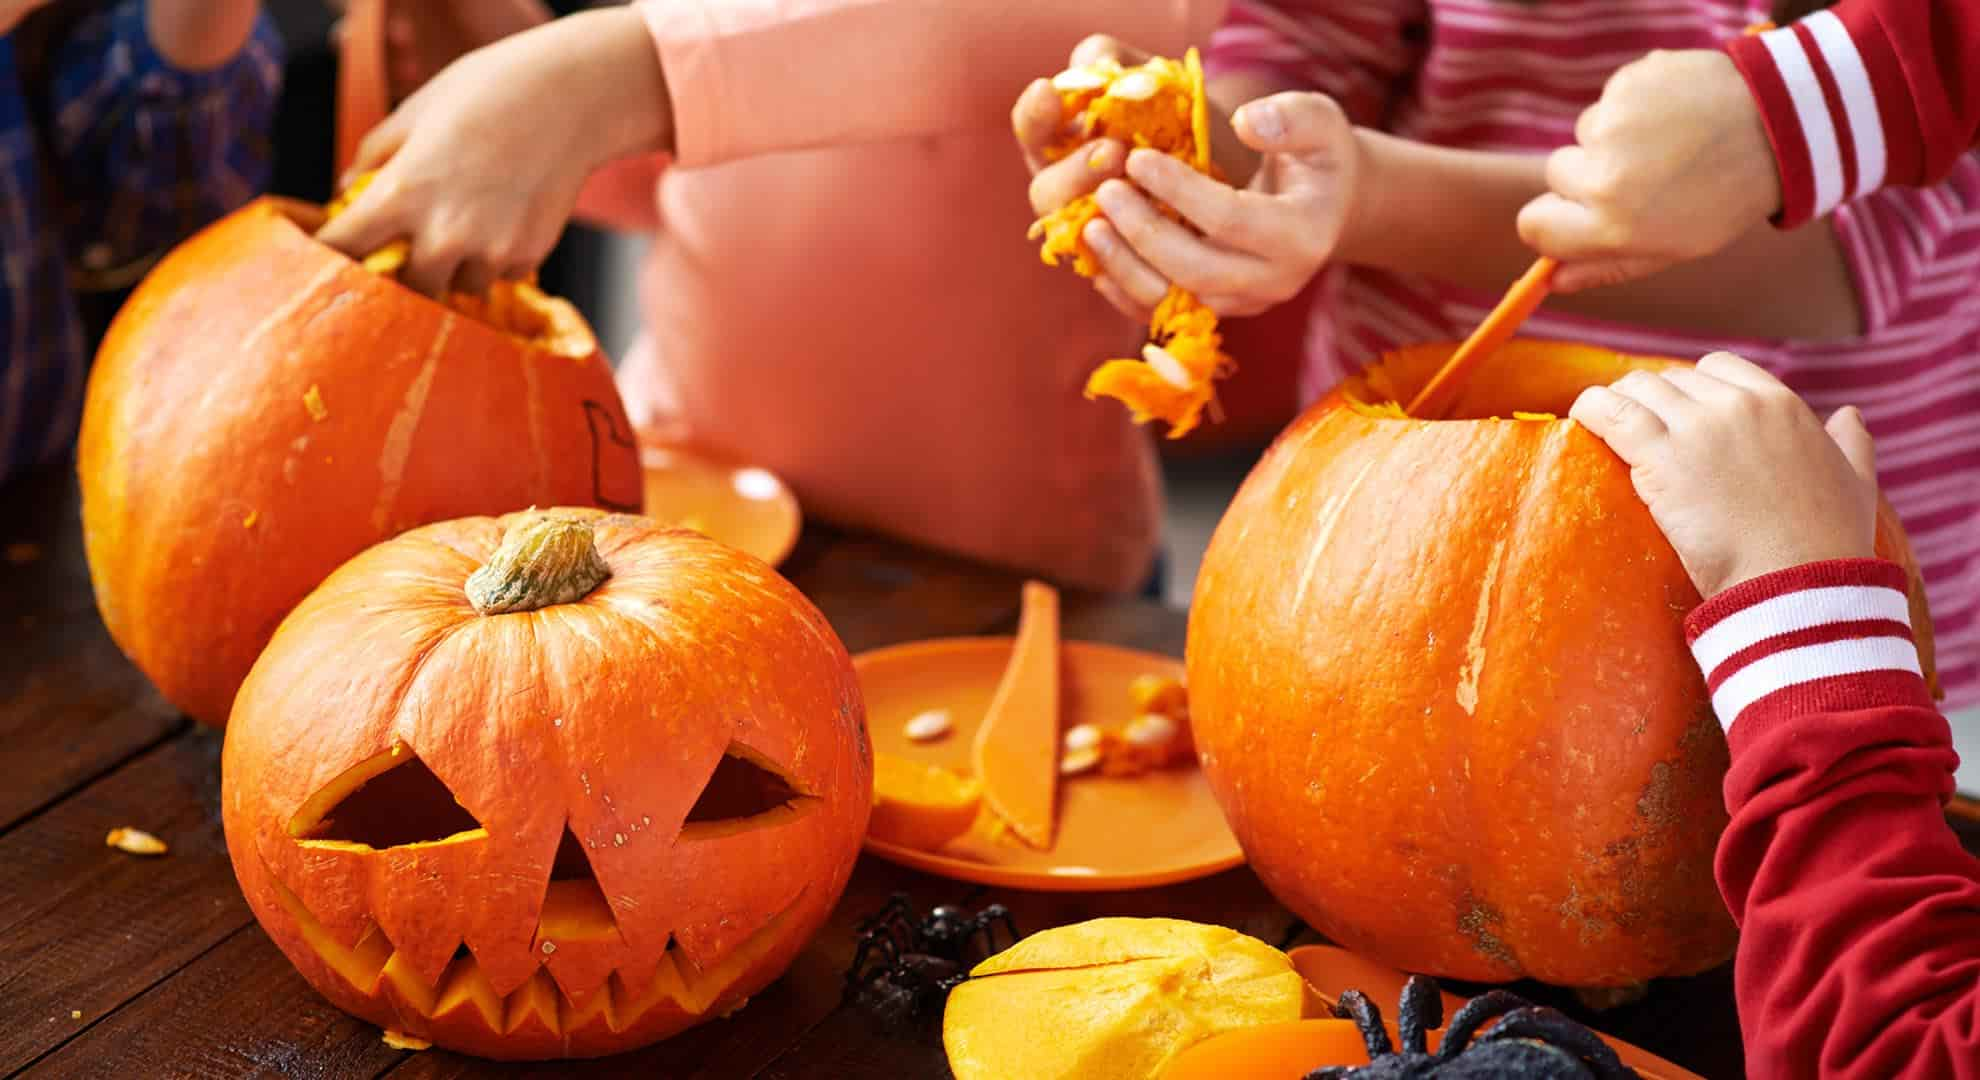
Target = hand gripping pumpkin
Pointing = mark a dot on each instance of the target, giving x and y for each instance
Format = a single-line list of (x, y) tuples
[(561, 784), (264, 408), (1439, 684)]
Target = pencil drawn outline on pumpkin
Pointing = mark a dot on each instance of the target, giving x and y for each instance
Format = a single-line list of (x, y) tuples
[(592, 411)]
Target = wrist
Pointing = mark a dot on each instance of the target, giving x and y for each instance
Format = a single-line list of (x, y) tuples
[(200, 35), (1368, 210), (625, 107), (1757, 169)]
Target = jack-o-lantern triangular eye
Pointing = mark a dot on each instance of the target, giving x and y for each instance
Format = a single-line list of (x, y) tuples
[(745, 792), (386, 801)]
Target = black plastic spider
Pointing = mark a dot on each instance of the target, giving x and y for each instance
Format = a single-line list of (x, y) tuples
[(1529, 1042), (905, 966)]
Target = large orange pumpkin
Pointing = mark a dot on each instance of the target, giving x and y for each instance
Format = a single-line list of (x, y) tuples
[(264, 408), (556, 785), (1440, 686)]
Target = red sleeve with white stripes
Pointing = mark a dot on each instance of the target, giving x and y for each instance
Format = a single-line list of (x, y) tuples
[(1859, 912), (1866, 93), (1354, 51)]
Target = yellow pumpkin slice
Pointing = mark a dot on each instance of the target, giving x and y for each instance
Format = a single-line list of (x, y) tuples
[(1016, 753), (920, 806), (1113, 998)]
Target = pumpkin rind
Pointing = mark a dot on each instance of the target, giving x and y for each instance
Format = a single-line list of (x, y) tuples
[(605, 716), (264, 408), (1440, 686)]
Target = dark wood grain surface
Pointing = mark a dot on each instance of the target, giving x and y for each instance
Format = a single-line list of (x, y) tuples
[(116, 966)]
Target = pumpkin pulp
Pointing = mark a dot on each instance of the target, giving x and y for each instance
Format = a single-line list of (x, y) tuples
[(1160, 105)]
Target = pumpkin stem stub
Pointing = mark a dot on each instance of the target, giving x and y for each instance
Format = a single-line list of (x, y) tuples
[(543, 560)]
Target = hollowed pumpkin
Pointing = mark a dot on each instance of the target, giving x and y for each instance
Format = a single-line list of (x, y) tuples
[(1439, 684), (556, 785), (264, 408)]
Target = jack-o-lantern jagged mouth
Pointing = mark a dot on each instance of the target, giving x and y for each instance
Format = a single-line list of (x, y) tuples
[(517, 308), (373, 968)]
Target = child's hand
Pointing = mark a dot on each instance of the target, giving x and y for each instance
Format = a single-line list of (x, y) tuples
[(1737, 470), (1039, 121), (481, 167), (1671, 164), (1260, 244)]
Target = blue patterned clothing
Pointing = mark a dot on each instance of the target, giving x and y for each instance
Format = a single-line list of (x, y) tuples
[(114, 157)]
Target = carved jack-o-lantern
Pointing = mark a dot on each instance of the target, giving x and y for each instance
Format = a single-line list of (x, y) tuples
[(556, 785)]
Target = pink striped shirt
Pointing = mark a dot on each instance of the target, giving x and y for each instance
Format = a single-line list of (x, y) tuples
[(1506, 75)]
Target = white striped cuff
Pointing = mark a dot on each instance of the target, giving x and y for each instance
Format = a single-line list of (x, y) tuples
[(1802, 636), (1801, 69)]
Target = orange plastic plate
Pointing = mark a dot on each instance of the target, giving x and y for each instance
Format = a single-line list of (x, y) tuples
[(748, 508), (1114, 833)]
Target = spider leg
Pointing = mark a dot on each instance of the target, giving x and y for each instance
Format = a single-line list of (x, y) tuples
[(1475, 1014), (895, 907), (870, 942), (987, 922), (1001, 915), (1422, 1009), (1555, 1029), (1354, 1005)]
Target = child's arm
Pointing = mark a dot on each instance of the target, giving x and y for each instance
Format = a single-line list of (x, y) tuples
[(1689, 150), (1859, 913), (158, 116), (1336, 193), (482, 195)]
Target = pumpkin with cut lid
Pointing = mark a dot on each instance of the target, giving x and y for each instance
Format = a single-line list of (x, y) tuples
[(264, 408), (555, 785), (1440, 686)]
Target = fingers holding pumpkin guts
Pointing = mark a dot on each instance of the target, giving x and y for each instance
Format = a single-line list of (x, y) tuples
[(515, 306), (1105, 108)]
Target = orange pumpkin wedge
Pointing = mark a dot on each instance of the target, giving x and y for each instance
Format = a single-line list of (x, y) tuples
[(1284, 1051), (1331, 971), (920, 806), (1016, 754)]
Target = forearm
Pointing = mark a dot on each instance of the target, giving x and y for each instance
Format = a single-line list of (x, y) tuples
[(1452, 215), (199, 35), (1859, 913), (1899, 104)]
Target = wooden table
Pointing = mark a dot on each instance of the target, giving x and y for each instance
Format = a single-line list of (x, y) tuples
[(115, 966)]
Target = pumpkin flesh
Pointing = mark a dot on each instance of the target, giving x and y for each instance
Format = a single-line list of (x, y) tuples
[(1439, 684), (664, 785)]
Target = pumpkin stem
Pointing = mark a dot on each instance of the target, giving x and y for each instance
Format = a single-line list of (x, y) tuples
[(542, 560)]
